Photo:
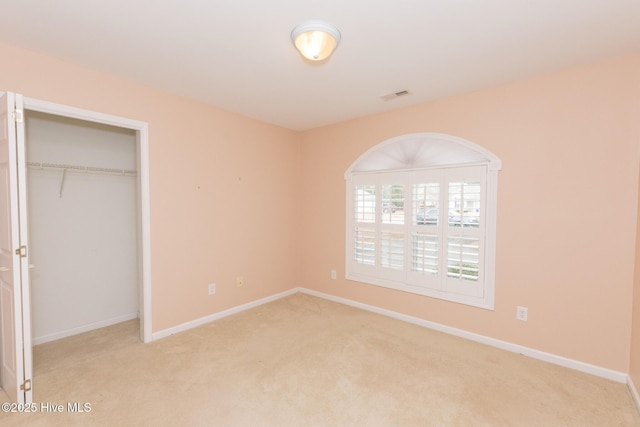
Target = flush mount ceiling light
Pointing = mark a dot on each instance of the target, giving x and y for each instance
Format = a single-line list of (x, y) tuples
[(315, 40)]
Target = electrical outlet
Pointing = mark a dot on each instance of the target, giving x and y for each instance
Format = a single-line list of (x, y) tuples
[(239, 282), (212, 288), (333, 275), (522, 313)]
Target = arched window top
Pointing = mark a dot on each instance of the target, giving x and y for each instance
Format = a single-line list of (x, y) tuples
[(420, 151)]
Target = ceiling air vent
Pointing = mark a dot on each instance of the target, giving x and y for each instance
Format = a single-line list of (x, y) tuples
[(394, 95)]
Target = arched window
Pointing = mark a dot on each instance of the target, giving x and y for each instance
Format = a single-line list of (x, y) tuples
[(421, 218)]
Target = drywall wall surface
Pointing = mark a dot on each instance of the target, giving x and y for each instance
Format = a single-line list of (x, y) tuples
[(224, 188), (634, 364), (566, 219), (233, 197)]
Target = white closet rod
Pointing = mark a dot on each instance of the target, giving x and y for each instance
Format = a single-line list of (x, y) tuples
[(75, 168)]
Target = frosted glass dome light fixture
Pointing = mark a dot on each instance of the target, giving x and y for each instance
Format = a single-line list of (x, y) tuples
[(315, 40)]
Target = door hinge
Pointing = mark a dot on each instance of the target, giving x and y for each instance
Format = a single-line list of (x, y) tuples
[(26, 386), (17, 116), (22, 251)]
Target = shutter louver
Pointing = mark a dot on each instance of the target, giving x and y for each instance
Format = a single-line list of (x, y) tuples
[(392, 227), (365, 217)]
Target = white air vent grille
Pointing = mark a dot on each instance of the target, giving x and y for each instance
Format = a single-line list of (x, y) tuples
[(395, 95)]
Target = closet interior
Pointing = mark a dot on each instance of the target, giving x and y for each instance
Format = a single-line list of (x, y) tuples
[(83, 225)]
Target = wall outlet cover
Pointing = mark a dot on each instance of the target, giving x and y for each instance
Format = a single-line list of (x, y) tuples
[(522, 313)]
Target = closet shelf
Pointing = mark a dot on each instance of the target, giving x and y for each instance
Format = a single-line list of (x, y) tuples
[(86, 169)]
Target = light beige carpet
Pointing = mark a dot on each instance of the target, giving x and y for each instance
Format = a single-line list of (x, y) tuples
[(304, 361)]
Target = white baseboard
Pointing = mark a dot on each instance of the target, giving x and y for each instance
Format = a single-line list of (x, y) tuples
[(83, 328), (620, 377), (204, 320), (634, 393)]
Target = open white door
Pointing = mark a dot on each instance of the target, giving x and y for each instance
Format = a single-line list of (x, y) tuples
[(14, 271)]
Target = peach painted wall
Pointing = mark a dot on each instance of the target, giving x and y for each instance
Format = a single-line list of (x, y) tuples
[(225, 200), (224, 188), (567, 198), (634, 366)]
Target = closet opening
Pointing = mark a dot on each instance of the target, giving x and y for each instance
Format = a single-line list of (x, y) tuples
[(82, 202), (76, 223)]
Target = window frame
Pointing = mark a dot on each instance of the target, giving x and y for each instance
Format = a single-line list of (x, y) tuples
[(362, 172)]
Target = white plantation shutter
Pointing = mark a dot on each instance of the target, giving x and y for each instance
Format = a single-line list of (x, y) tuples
[(364, 227), (365, 244), (421, 231), (427, 224), (425, 229), (464, 233), (378, 232), (392, 226), (425, 256), (392, 249), (364, 230)]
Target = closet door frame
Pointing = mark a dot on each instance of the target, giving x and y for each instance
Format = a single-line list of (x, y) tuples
[(143, 211)]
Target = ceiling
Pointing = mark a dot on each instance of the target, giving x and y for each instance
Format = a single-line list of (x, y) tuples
[(237, 54)]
